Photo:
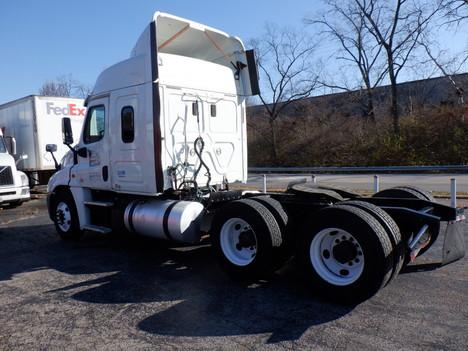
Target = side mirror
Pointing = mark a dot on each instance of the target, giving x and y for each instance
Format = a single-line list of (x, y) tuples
[(253, 72), (67, 132), (51, 148)]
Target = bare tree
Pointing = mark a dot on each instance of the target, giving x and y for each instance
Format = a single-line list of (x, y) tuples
[(345, 23), (284, 57), (448, 68), (65, 86), (397, 27), (456, 11)]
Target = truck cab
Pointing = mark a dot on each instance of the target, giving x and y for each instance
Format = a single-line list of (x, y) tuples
[(14, 184), (168, 120)]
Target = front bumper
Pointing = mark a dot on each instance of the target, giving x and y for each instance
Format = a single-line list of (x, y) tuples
[(14, 194)]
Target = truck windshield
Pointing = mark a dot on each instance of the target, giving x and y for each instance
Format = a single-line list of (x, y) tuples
[(2, 145)]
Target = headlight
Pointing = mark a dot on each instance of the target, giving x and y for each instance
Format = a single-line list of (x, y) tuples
[(24, 180)]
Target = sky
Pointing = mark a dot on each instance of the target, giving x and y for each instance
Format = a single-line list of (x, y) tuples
[(43, 39), (40, 40)]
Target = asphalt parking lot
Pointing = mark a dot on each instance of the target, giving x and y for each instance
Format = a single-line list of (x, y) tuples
[(115, 292)]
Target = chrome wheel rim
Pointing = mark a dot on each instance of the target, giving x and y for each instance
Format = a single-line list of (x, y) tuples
[(63, 217), (337, 256), (238, 242)]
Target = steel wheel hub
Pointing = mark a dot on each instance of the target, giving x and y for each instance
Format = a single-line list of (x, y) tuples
[(238, 242), (337, 256), (63, 217)]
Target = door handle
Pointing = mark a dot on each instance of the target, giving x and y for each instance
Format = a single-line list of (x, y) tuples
[(105, 173)]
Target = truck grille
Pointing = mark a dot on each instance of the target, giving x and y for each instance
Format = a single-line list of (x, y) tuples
[(6, 177)]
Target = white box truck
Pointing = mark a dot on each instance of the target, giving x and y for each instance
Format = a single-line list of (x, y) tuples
[(14, 187), (165, 133), (35, 121)]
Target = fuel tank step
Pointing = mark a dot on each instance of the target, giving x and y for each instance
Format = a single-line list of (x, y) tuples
[(97, 229), (99, 203)]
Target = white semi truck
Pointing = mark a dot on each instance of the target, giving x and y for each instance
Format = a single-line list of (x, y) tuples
[(35, 121), (14, 187), (165, 134)]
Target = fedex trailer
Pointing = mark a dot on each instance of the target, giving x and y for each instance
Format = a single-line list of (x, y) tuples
[(165, 135), (35, 121)]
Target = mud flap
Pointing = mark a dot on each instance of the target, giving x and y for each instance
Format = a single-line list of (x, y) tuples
[(454, 243)]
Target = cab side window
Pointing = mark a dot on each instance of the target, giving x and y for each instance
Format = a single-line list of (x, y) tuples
[(95, 124), (127, 124)]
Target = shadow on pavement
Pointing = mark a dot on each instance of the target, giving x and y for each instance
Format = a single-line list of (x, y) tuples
[(196, 298)]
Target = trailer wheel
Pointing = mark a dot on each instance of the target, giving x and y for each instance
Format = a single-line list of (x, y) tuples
[(247, 239), (390, 226), (412, 192), (346, 253), (65, 217)]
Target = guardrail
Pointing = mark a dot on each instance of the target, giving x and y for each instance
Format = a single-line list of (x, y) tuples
[(373, 169), (264, 171)]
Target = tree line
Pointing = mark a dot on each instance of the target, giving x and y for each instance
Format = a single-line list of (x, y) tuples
[(373, 42)]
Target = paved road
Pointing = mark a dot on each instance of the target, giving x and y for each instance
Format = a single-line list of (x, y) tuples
[(117, 293), (431, 182)]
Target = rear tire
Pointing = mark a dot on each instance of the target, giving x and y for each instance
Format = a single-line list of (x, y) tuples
[(390, 227), (247, 240), (346, 253), (406, 191), (424, 193), (276, 209), (412, 192), (65, 216)]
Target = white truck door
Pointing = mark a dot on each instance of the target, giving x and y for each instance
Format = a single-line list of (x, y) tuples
[(128, 153), (92, 171)]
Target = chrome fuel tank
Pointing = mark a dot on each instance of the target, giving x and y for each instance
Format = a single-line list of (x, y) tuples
[(165, 219)]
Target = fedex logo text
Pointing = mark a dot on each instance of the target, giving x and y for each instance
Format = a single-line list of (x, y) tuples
[(68, 110)]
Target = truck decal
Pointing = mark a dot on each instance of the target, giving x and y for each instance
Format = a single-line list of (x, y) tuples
[(68, 110)]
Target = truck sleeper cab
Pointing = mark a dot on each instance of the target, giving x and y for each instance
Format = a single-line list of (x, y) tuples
[(165, 134), (14, 184)]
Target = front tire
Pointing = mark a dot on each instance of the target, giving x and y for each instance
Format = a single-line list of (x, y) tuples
[(65, 217), (346, 253)]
